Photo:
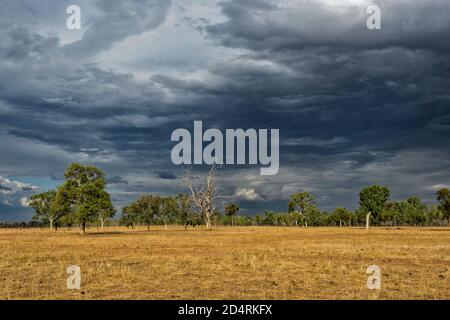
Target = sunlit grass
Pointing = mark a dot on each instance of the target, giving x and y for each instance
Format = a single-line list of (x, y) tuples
[(226, 263)]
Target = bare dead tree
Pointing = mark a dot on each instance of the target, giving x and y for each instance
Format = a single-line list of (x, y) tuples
[(203, 192)]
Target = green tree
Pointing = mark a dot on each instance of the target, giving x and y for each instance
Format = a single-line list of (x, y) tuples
[(85, 190), (145, 210), (148, 208), (443, 197), (269, 218), (44, 205), (63, 206), (342, 215), (69, 219), (295, 217), (304, 204), (231, 210), (372, 200), (168, 210), (130, 216), (186, 215), (105, 207), (434, 215), (417, 211)]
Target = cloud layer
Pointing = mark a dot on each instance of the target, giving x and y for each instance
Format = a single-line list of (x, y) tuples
[(354, 106)]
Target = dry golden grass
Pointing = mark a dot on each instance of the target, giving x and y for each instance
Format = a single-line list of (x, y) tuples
[(226, 263)]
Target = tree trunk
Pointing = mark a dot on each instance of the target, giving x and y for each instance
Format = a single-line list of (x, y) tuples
[(208, 222), (102, 223), (368, 220), (83, 228), (207, 217), (51, 225), (306, 223)]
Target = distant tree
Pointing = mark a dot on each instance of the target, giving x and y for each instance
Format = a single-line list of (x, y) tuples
[(44, 205), (217, 218), (269, 218), (203, 193), (372, 200), (343, 216), (304, 204), (434, 215), (105, 207), (63, 207), (408, 212), (417, 211), (148, 208), (231, 210), (85, 189), (68, 220), (443, 197), (186, 215), (258, 220), (130, 216), (295, 217), (392, 213), (168, 210)]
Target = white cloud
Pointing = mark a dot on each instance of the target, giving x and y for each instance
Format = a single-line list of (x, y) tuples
[(15, 192), (246, 194), (439, 186), (24, 202)]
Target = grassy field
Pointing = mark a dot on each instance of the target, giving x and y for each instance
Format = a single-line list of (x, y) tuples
[(226, 263)]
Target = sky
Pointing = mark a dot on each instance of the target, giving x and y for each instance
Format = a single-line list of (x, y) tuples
[(355, 107)]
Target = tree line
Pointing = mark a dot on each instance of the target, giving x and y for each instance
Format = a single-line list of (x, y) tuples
[(301, 211), (82, 199)]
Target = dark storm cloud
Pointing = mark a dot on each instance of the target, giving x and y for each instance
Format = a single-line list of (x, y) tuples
[(338, 92), (117, 180), (354, 107), (270, 25), (165, 175), (119, 20)]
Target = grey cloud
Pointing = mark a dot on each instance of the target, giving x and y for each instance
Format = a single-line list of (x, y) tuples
[(350, 114), (118, 21), (21, 44), (13, 193), (165, 175), (270, 25), (117, 180)]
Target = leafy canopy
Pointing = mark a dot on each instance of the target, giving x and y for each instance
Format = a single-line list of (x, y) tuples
[(373, 199)]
